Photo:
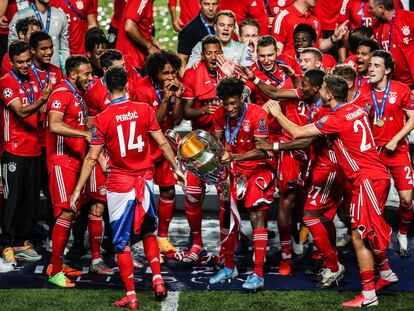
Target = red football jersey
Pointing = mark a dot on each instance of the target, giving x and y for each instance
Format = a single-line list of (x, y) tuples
[(328, 13), (6, 64), (350, 133), (356, 11), (119, 6), (60, 150), (278, 79), (321, 151), (286, 21), (201, 87), (125, 129), (400, 31), (97, 97), (55, 76), (398, 100), (275, 6), (141, 12), (248, 8), (296, 111), (254, 125), (351, 60), (77, 13), (188, 9), (20, 135), (147, 94)]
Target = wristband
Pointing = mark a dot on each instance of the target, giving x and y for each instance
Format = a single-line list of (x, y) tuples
[(256, 80), (276, 146), (331, 37)]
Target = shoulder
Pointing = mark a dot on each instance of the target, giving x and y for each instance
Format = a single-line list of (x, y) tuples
[(399, 86), (57, 12)]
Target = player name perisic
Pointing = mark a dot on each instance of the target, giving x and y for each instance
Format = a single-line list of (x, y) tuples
[(354, 115), (127, 116)]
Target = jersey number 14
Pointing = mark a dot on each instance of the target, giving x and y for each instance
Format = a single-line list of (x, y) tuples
[(139, 144)]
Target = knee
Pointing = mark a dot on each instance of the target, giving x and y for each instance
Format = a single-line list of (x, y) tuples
[(68, 214), (97, 210), (405, 201), (167, 193)]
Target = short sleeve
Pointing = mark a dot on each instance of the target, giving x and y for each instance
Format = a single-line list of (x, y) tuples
[(260, 125), (218, 119), (153, 125), (97, 132), (329, 124), (280, 27), (172, 3), (9, 92), (134, 10), (92, 7), (189, 80), (58, 102)]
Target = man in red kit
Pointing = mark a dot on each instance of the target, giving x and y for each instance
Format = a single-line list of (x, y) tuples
[(135, 38), (125, 129), (248, 8), (21, 100), (42, 71), (7, 10), (394, 31), (392, 119), (162, 91), (113, 30), (240, 126), (200, 103), (348, 130), (188, 10), (81, 14), (297, 13), (66, 141)]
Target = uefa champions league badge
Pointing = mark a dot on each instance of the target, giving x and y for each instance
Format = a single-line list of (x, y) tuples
[(7, 93)]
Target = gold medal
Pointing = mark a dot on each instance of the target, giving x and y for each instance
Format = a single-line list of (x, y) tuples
[(380, 122)]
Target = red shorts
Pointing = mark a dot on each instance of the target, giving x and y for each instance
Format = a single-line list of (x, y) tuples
[(62, 183), (368, 203), (291, 170), (325, 191), (96, 185), (259, 189), (399, 165), (163, 174)]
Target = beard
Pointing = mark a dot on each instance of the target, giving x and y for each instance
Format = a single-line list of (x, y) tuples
[(79, 85)]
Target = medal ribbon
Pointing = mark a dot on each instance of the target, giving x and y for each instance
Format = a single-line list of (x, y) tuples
[(30, 96), (36, 73), (313, 108), (339, 106), (80, 98), (390, 33), (271, 76), (74, 10), (39, 18), (231, 137), (380, 110), (118, 100)]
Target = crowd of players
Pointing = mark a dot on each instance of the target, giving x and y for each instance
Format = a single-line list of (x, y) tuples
[(313, 105)]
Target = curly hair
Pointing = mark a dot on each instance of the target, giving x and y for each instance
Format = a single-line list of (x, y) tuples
[(230, 87), (156, 62)]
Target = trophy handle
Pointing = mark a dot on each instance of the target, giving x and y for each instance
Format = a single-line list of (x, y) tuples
[(173, 138)]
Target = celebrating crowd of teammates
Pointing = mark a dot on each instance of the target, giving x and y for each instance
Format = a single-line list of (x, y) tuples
[(313, 107)]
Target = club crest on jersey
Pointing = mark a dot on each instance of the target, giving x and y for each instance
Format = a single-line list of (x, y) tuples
[(246, 126), (281, 3), (53, 80), (56, 104), (80, 5), (392, 98), (405, 30), (12, 167), (315, 24), (7, 93), (102, 190)]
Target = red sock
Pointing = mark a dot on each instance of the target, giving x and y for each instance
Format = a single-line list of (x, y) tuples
[(406, 215), (152, 252), (228, 250), (321, 239), (381, 261), (367, 280), (165, 214), (331, 229), (126, 269), (60, 236), (194, 213), (95, 235), (259, 244), (285, 240)]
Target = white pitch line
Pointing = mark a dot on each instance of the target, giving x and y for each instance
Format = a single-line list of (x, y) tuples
[(171, 302)]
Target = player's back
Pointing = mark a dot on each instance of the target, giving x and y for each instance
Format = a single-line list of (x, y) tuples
[(125, 127)]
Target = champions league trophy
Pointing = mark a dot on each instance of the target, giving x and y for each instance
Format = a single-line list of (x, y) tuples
[(200, 153)]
